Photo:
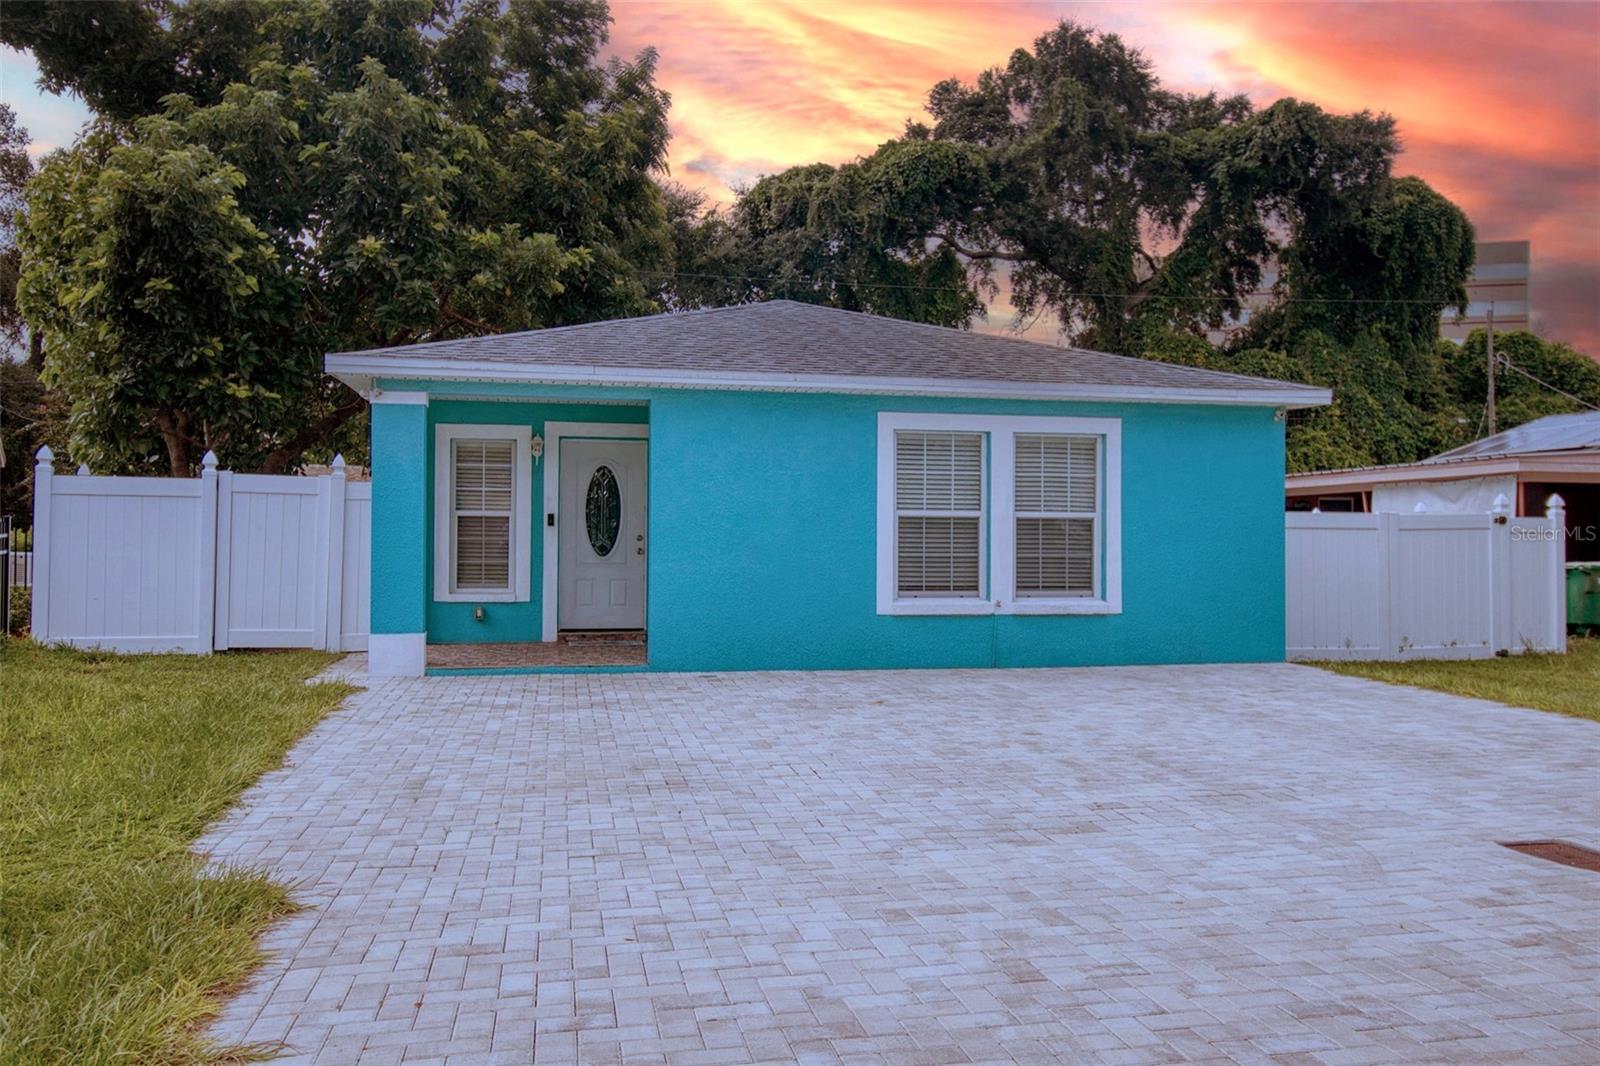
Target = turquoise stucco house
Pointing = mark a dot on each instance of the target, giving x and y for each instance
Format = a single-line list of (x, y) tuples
[(785, 486)]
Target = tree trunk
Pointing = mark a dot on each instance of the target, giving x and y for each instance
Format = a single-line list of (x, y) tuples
[(35, 350), (278, 461), (174, 429)]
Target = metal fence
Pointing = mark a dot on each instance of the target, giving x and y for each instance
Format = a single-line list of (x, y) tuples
[(18, 557), (16, 564)]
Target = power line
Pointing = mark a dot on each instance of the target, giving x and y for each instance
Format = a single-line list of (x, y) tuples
[(822, 280), (1509, 365)]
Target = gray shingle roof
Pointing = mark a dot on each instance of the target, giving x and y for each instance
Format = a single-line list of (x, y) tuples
[(798, 341)]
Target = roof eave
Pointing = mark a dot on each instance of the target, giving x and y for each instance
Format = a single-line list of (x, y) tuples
[(361, 371), (1566, 465)]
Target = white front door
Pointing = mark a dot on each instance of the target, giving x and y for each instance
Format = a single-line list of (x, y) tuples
[(601, 533)]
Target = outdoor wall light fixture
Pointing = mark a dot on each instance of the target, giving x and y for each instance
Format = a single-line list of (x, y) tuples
[(536, 447), (478, 613)]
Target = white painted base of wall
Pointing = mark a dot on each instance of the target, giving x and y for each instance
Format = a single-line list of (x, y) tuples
[(397, 654)]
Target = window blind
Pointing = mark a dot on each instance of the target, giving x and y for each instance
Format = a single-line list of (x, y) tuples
[(483, 472), (1057, 509), (938, 513)]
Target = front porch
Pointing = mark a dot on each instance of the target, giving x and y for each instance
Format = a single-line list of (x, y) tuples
[(573, 651), (506, 530)]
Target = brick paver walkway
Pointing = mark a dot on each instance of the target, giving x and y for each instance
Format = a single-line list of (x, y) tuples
[(1212, 864)]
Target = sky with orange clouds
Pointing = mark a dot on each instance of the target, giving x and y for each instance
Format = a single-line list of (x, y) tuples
[(1498, 104)]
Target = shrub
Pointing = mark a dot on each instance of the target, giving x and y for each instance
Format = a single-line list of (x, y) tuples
[(21, 610)]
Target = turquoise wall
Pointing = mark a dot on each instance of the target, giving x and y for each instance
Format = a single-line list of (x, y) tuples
[(763, 535), (402, 459), (764, 540), (453, 623)]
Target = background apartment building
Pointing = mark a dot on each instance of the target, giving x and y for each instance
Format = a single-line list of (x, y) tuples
[(1500, 276)]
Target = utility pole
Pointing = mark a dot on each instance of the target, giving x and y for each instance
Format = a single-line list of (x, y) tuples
[(1489, 410)]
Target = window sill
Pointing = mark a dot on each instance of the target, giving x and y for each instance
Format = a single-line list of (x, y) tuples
[(932, 605), (1074, 605), (969, 607), (469, 596)]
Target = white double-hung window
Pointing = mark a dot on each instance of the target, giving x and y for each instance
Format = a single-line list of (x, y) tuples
[(481, 513), (983, 514), (1058, 514), (938, 489)]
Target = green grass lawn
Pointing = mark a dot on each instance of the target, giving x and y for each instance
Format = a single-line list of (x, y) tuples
[(1566, 684), (115, 941)]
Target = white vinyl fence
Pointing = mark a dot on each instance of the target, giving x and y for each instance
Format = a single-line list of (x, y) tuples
[(191, 564), (257, 561), (1425, 586)]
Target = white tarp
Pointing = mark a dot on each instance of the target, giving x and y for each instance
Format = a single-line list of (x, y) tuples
[(1473, 495)]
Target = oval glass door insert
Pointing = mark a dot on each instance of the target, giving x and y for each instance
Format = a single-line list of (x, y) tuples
[(602, 511)]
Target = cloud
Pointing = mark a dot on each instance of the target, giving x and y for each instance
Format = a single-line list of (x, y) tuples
[(762, 87), (1498, 105)]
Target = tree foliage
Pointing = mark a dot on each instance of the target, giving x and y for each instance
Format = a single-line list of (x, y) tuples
[(267, 182), (851, 236), (30, 416), (1114, 204), (1140, 218), (1371, 421), (1522, 357), (15, 171)]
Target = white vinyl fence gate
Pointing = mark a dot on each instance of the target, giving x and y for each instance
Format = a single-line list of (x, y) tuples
[(191, 564), (1425, 586)]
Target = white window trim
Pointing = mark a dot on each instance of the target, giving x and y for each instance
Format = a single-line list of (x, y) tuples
[(554, 434), (1000, 515), (942, 604), (444, 437)]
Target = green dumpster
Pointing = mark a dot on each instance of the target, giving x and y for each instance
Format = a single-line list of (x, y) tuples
[(1583, 595)]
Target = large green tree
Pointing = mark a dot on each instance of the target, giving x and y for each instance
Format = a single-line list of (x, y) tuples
[(29, 414), (268, 181), (15, 171), (1075, 179), (1140, 218)]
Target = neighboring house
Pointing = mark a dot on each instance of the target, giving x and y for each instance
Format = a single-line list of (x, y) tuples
[(781, 485), (1559, 454)]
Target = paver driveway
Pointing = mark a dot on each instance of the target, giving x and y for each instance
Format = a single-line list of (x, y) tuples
[(1263, 863)]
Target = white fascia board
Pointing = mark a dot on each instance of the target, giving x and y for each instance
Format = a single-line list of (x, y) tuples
[(359, 371)]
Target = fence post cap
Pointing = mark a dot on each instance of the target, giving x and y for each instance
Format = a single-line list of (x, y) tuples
[(208, 462), (44, 455), (1501, 504), (83, 469), (1554, 503), (338, 465), (1420, 508)]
